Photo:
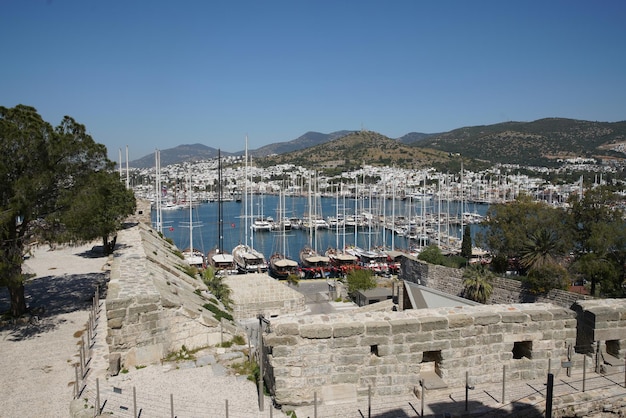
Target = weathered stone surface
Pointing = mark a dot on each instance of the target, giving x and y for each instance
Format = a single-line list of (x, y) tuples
[(405, 325), (316, 331), (430, 323), (377, 327), (348, 329), (289, 328)]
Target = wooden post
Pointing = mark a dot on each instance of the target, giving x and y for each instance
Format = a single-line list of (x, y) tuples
[(97, 396), (226, 408), (466, 391), (503, 382), (423, 396), (77, 382), (369, 401), (172, 404), (584, 370), (260, 345), (314, 404), (134, 402), (549, 394)]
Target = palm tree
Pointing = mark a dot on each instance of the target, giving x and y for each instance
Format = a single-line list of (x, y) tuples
[(477, 281), (540, 249)]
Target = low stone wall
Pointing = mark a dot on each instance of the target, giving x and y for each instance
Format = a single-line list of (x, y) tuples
[(153, 308), (254, 294), (341, 355), (450, 280)]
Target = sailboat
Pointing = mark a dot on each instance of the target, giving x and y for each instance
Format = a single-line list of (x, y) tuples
[(313, 264), (193, 256), (280, 266), (221, 261), (247, 259)]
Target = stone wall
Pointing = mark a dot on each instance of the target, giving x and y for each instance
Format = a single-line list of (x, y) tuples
[(602, 322), (341, 355), (450, 280), (254, 294), (153, 308)]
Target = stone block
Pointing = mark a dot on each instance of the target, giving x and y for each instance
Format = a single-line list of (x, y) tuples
[(116, 313), (344, 342), (348, 329), (419, 337), (316, 331), (272, 340), (405, 325), (447, 334), (115, 323), (286, 329), (115, 363), (115, 304), (539, 315), (460, 321), (514, 316), (430, 323), (486, 318), (377, 328)]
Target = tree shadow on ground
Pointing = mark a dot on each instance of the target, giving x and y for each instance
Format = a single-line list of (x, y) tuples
[(49, 296)]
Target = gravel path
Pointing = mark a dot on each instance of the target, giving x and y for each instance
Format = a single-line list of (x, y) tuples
[(37, 358)]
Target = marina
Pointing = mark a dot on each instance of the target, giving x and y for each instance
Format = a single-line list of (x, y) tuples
[(346, 225)]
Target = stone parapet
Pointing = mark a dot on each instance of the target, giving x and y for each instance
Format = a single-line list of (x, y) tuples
[(391, 352), (153, 306)]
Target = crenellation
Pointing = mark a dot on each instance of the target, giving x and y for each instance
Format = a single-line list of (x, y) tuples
[(348, 329), (377, 327), (431, 323)]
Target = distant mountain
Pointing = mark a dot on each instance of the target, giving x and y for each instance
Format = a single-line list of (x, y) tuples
[(355, 149), (309, 139), (540, 142), (414, 137), (181, 153)]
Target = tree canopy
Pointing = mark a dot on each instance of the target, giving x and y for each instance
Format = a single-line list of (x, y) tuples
[(43, 167)]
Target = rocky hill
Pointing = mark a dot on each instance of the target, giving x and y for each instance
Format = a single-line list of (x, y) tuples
[(355, 149), (541, 142)]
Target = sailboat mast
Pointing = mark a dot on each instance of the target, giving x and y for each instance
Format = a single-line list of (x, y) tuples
[(245, 195), (190, 215), (220, 211)]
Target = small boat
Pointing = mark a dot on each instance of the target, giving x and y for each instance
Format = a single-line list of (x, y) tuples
[(222, 262), (313, 264), (281, 267), (249, 260), (194, 257)]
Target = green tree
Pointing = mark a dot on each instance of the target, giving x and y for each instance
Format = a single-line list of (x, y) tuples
[(508, 225), (215, 284), (477, 282), (97, 208), (362, 279), (40, 166), (466, 243), (600, 240), (545, 277), (432, 254)]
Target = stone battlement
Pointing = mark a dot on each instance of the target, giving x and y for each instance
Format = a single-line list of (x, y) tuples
[(342, 355)]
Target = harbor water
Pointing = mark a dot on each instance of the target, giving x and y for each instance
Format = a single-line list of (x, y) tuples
[(421, 211)]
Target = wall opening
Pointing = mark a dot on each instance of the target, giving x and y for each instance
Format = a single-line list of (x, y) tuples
[(523, 349), (431, 362), (374, 350), (612, 348)]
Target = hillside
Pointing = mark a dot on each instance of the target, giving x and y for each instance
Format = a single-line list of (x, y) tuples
[(309, 139), (540, 142), (357, 148), (187, 152)]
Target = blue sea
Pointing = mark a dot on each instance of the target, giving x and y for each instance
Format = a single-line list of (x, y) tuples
[(205, 223)]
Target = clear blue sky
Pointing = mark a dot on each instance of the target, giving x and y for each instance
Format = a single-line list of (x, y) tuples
[(156, 74)]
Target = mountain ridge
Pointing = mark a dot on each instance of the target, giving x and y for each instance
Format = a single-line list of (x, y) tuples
[(540, 142)]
